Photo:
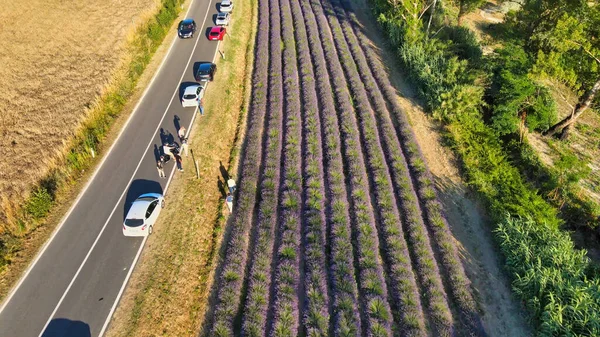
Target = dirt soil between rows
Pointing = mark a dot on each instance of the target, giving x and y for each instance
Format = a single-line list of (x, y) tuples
[(502, 314)]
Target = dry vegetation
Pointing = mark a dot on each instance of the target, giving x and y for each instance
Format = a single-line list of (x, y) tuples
[(54, 64), (168, 292)]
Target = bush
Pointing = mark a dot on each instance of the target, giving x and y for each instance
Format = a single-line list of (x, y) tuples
[(39, 203), (552, 277), (464, 43)]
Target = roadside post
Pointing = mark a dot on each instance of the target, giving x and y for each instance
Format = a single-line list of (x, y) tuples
[(195, 164)]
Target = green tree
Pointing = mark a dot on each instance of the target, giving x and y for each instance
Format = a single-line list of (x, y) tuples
[(563, 34), (519, 102)]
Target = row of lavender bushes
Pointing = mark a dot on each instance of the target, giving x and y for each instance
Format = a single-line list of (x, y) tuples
[(254, 322), (233, 266), (285, 320), (453, 270), (402, 283), (377, 320), (316, 302), (344, 290), (423, 256)]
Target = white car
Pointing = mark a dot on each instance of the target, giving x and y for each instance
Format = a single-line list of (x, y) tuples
[(192, 96), (222, 19), (226, 6), (143, 214)]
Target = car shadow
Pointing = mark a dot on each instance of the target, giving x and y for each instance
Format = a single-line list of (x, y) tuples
[(182, 87), (137, 188), (67, 328), (214, 19), (207, 31)]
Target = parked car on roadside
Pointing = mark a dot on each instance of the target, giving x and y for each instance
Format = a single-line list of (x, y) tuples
[(186, 29), (206, 72), (226, 6), (217, 33), (192, 95), (142, 215), (222, 19)]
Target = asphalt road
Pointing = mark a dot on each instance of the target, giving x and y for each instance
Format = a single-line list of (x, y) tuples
[(73, 286)]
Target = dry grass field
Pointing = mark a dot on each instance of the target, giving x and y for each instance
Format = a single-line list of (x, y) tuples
[(56, 57)]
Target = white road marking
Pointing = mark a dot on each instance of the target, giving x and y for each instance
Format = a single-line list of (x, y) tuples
[(126, 187), (139, 252), (87, 185)]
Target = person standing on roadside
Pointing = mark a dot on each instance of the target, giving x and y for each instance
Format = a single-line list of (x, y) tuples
[(201, 106), (184, 146), (181, 133), (160, 166)]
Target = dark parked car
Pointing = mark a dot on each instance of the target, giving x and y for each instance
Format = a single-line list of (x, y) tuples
[(187, 28), (206, 72)]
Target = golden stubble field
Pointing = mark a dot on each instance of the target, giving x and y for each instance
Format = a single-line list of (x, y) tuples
[(56, 57)]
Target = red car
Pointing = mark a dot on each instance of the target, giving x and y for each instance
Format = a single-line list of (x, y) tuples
[(217, 33)]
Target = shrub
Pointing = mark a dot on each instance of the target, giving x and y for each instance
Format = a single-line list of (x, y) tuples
[(39, 203), (554, 279)]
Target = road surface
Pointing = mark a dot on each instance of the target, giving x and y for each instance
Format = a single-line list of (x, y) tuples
[(74, 284)]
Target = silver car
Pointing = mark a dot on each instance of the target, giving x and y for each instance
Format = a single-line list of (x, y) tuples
[(222, 19), (142, 215)]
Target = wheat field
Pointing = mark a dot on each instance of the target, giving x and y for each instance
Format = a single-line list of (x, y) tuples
[(56, 57)]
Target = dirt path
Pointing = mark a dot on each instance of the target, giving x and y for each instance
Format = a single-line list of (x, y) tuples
[(502, 315)]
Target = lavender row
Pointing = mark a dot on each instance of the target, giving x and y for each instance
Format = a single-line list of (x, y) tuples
[(372, 282), (259, 281), (285, 307), (345, 314), (316, 306), (423, 257), (402, 282), (458, 281), (232, 275)]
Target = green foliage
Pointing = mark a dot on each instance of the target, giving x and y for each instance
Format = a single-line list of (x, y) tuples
[(552, 277), (490, 173), (554, 280), (562, 34), (402, 18), (566, 173), (432, 71), (464, 43), (39, 203), (517, 97)]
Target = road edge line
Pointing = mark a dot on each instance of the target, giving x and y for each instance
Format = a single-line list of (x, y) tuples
[(133, 265), (139, 253), (130, 180), (89, 182)]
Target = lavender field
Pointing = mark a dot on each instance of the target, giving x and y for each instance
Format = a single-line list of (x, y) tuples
[(336, 229)]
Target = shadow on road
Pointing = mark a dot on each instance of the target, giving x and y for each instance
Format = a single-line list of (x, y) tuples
[(137, 188), (67, 328)]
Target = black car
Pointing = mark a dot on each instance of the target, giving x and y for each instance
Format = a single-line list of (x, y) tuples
[(187, 28), (206, 72)]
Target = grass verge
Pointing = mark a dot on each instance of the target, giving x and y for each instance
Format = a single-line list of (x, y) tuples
[(28, 228), (169, 290)]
